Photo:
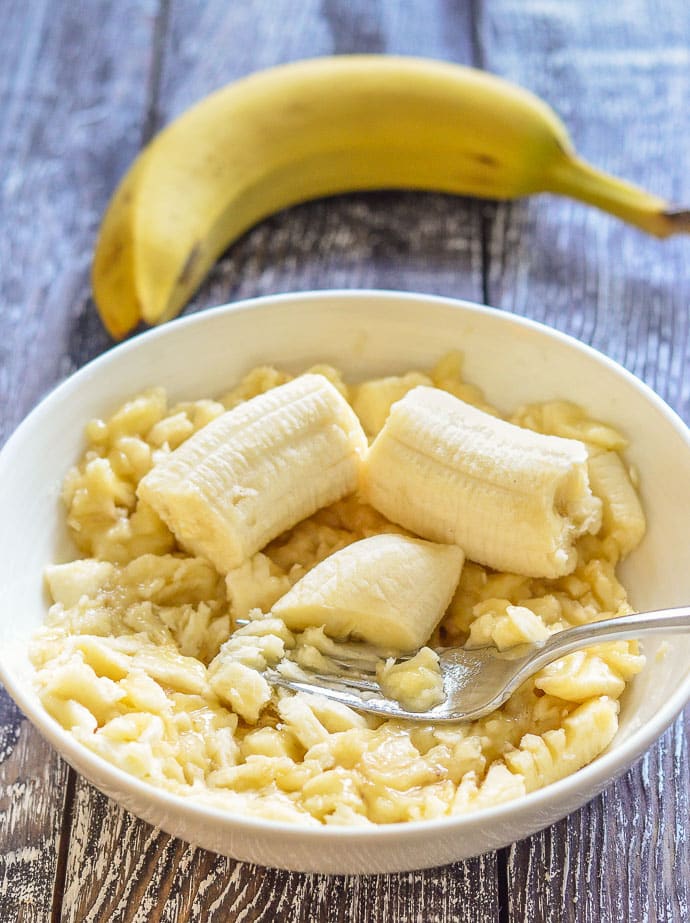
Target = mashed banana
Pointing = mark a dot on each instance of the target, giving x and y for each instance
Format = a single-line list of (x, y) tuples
[(141, 660)]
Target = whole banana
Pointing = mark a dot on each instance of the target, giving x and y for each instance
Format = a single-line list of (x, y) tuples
[(321, 127)]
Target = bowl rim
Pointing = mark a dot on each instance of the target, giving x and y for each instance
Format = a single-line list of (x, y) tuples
[(589, 779)]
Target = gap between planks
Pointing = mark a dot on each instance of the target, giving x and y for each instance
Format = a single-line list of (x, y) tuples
[(63, 847)]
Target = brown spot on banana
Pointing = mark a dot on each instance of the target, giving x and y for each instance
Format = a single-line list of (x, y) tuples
[(486, 160)]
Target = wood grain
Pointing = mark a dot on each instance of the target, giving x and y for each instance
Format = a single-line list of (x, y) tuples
[(620, 77), (144, 875), (81, 86), (33, 784), (71, 108)]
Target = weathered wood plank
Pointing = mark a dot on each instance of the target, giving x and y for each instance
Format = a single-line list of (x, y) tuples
[(144, 875), (79, 86), (62, 145), (620, 77), (33, 782), (384, 241)]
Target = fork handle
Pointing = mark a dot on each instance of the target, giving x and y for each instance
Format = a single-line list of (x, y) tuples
[(660, 621)]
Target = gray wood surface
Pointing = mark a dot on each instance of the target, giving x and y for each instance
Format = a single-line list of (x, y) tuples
[(82, 85), (613, 75)]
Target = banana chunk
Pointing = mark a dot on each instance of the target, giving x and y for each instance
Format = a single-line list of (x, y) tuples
[(512, 499), (373, 399), (623, 516), (257, 470), (389, 590), (85, 577)]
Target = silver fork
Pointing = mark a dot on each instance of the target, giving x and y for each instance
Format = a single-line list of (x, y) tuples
[(480, 680)]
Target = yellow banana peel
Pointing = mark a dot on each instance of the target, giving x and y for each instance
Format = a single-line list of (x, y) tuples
[(321, 127)]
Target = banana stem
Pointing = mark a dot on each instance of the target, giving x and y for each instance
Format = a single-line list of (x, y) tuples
[(576, 178)]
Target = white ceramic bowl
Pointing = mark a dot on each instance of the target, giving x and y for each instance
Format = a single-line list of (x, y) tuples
[(365, 333)]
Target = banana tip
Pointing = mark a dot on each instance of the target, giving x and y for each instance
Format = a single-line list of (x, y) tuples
[(677, 220)]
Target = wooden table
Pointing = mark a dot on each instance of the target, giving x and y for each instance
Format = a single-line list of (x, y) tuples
[(82, 85)]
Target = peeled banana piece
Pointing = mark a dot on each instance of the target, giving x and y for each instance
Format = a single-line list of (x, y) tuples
[(389, 590), (320, 127), (623, 517), (257, 470), (373, 399), (512, 499)]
